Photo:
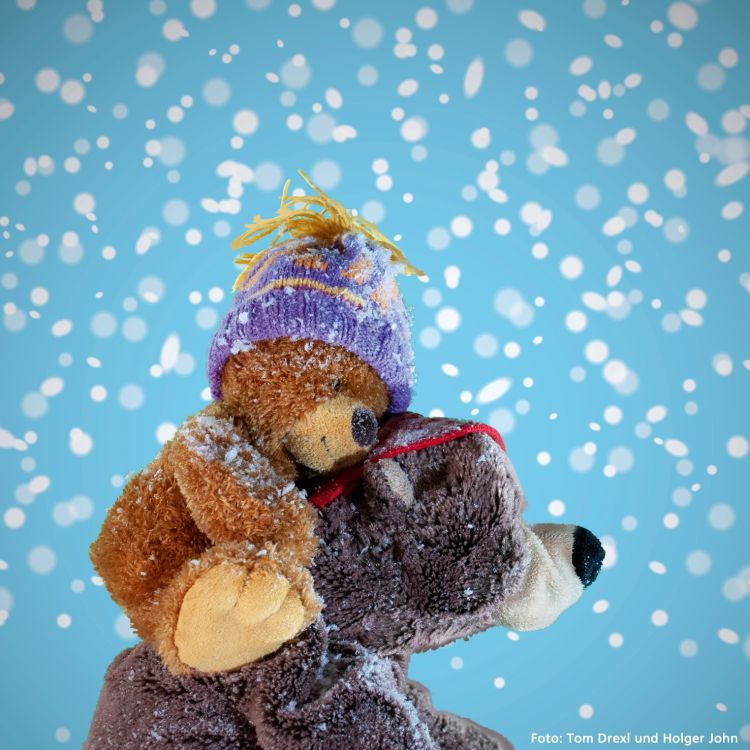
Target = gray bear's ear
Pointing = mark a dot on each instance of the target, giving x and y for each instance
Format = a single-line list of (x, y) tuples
[(387, 485), (398, 481)]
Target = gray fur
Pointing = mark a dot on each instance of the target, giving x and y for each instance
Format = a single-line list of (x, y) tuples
[(397, 578)]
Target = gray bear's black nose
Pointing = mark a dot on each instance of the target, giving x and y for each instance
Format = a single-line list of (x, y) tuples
[(364, 427), (588, 555)]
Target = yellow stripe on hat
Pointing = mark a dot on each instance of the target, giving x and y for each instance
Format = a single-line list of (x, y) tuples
[(301, 282), (253, 272)]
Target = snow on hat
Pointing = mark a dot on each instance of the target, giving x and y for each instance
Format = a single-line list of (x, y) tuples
[(334, 281)]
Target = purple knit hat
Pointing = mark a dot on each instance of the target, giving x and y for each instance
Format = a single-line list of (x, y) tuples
[(345, 295)]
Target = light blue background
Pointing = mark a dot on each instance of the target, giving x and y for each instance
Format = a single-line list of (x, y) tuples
[(51, 675)]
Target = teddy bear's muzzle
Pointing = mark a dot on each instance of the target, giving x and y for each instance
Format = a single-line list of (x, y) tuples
[(334, 435), (364, 427)]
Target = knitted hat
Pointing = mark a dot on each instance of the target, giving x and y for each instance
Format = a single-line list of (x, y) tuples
[(333, 281)]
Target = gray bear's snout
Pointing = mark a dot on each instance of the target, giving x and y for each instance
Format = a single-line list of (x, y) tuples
[(588, 555), (364, 427)]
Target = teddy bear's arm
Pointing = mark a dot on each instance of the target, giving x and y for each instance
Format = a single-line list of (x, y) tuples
[(207, 548), (250, 591), (147, 536), (233, 491), (243, 601)]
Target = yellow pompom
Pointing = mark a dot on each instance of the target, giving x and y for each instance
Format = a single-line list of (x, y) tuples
[(317, 216)]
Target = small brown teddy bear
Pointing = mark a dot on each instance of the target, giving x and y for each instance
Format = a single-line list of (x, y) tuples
[(208, 548)]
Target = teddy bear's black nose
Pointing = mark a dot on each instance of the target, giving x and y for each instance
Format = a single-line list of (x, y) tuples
[(588, 555), (364, 427)]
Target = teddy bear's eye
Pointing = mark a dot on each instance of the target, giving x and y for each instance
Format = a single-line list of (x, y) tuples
[(335, 386)]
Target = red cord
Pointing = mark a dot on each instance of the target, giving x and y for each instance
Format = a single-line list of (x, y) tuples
[(347, 479)]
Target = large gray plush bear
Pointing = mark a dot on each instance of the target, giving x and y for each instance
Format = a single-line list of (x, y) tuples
[(423, 544)]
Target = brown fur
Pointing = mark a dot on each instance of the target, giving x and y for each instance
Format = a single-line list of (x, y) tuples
[(227, 479), (276, 383)]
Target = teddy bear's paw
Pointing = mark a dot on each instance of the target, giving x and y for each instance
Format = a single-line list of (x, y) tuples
[(233, 615)]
